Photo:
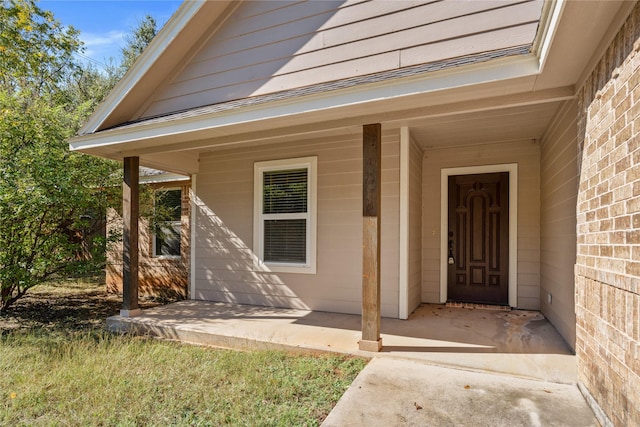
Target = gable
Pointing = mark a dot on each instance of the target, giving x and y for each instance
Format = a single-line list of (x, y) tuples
[(266, 47)]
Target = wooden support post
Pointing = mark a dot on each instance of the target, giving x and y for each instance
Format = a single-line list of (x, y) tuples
[(371, 196), (130, 214)]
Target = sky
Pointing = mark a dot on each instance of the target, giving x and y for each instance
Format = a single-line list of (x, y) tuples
[(103, 24)]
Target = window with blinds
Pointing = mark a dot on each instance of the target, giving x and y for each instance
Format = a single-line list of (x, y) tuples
[(285, 210), (168, 206), (285, 221)]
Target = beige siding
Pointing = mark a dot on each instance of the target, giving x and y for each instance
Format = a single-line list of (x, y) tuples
[(415, 226), (527, 155), (559, 188), (265, 47), (224, 267)]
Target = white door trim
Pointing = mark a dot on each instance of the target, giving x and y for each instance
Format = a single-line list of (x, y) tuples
[(192, 238), (512, 168), (403, 288)]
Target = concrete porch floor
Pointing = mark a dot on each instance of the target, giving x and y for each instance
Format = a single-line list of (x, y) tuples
[(517, 342), (442, 366)]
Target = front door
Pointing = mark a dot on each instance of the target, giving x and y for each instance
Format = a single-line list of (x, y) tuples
[(478, 252)]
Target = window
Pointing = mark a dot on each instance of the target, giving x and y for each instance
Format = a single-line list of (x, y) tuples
[(168, 206), (285, 214)]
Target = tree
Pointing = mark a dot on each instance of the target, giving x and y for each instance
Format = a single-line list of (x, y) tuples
[(137, 42), (36, 50), (50, 198)]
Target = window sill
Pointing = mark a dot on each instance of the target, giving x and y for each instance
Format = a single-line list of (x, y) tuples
[(167, 257), (287, 268)]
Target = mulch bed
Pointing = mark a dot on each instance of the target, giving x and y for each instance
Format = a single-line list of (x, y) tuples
[(71, 306)]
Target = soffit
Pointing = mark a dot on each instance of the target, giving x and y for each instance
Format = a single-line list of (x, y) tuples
[(583, 28)]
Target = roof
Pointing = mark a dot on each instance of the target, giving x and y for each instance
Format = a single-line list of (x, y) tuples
[(176, 100), (330, 86)]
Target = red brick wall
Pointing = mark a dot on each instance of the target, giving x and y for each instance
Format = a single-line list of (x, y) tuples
[(608, 230), (158, 276)]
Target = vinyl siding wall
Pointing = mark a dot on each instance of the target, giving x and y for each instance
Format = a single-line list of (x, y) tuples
[(224, 264), (559, 190), (527, 155), (266, 47)]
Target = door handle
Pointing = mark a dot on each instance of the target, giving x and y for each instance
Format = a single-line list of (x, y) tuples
[(451, 259)]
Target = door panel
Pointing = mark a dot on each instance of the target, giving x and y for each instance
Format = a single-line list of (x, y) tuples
[(478, 261)]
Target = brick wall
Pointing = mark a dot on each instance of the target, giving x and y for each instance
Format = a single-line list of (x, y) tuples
[(158, 276), (608, 230)]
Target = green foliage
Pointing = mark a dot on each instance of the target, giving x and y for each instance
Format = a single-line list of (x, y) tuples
[(137, 41), (50, 199), (36, 51)]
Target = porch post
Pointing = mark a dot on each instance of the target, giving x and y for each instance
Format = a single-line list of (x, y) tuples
[(130, 213), (371, 195)]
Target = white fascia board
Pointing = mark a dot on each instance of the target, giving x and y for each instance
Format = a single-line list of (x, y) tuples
[(163, 39), (163, 178), (504, 69), (548, 27)]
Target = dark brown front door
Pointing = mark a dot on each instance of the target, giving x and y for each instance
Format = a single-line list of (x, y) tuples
[(478, 252)]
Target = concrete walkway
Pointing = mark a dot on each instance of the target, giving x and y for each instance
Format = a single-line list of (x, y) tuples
[(392, 392), (517, 368)]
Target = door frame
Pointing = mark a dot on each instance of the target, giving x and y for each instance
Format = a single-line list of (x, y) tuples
[(445, 173)]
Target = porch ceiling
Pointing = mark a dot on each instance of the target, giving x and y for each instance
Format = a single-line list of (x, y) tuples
[(527, 122), (515, 117)]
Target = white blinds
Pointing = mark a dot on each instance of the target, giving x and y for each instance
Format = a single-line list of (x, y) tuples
[(285, 215), (285, 191)]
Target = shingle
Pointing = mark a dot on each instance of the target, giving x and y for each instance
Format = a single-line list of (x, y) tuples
[(330, 86)]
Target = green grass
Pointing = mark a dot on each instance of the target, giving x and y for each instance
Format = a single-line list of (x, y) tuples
[(96, 378), (58, 367)]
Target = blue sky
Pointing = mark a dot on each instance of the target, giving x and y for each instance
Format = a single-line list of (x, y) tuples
[(104, 23)]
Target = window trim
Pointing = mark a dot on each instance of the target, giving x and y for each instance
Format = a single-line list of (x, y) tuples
[(311, 164), (154, 248)]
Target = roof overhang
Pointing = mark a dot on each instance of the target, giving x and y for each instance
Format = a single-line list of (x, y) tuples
[(347, 105), (173, 143)]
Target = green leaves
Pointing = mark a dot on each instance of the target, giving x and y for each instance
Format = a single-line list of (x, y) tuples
[(35, 49), (44, 192), (51, 201), (138, 40)]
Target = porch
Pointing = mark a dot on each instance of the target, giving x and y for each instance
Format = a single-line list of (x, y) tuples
[(515, 342)]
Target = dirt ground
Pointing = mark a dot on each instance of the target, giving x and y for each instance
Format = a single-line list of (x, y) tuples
[(72, 305)]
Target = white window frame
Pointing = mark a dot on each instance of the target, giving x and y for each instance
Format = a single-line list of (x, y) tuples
[(172, 223), (311, 164)]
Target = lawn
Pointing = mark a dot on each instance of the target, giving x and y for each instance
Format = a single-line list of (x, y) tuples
[(59, 367)]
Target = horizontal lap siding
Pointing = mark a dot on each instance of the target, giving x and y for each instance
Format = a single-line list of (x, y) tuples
[(224, 262), (263, 49), (527, 156), (559, 190)]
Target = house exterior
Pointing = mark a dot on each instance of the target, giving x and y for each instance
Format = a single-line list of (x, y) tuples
[(163, 260), (364, 157)]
